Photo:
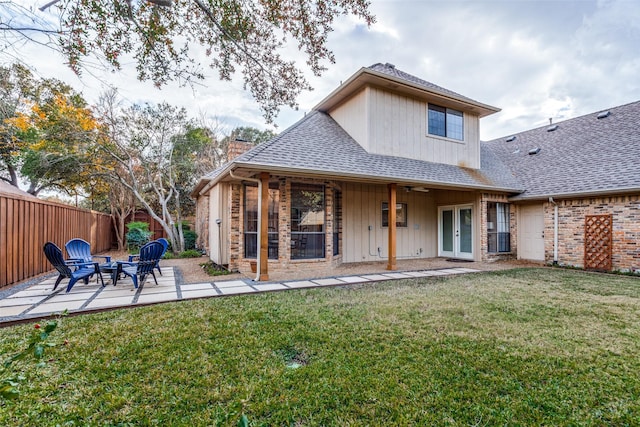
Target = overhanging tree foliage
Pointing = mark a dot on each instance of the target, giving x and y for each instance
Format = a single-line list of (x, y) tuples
[(46, 132), (167, 38)]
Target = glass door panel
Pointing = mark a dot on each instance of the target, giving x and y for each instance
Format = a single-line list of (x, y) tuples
[(447, 231), (465, 235), (456, 231)]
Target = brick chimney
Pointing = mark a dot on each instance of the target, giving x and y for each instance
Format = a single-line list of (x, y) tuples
[(237, 147)]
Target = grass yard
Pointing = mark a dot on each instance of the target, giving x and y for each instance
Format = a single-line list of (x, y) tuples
[(520, 347)]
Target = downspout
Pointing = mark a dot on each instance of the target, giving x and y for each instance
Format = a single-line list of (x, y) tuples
[(259, 182), (555, 231)]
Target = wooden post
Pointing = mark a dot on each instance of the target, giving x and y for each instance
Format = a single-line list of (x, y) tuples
[(264, 228), (392, 227)]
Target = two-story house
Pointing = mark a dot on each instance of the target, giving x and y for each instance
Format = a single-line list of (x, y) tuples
[(386, 167), (390, 167)]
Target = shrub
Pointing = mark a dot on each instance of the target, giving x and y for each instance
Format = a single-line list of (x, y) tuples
[(137, 235), (191, 253), (214, 269), (190, 237)]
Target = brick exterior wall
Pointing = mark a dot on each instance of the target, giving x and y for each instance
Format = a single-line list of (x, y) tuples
[(237, 261), (236, 148), (513, 228), (236, 248), (625, 211)]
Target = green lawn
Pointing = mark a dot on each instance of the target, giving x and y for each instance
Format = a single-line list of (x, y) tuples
[(521, 347)]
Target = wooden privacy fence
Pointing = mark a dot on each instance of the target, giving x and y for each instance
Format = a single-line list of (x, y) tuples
[(26, 224)]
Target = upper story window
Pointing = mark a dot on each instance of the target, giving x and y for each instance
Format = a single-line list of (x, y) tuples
[(446, 122)]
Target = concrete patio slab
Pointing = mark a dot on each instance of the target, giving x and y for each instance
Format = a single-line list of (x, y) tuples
[(417, 273), (328, 282), (269, 287), (237, 290), (199, 293), (112, 292), (110, 302), (300, 284), (8, 302), (230, 284), (396, 275), (39, 299), (157, 297), (15, 310), (195, 286), (62, 297), (376, 277), (353, 279), (57, 307)]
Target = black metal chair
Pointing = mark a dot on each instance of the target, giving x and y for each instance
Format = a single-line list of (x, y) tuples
[(150, 255), (81, 270)]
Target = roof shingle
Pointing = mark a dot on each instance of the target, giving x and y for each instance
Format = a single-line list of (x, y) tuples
[(583, 155), (317, 144)]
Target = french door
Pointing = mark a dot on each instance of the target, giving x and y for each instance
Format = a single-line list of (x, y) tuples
[(455, 231)]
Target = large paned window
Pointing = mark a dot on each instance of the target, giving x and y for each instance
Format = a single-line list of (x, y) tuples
[(251, 226), (401, 214), (498, 235), (307, 221), (446, 122)]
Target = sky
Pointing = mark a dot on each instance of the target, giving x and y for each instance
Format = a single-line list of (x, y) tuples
[(535, 60)]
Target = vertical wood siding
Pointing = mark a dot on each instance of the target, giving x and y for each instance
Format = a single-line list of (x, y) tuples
[(353, 116), (27, 224), (386, 123), (362, 207)]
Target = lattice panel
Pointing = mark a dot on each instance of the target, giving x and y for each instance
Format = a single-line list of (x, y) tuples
[(598, 242)]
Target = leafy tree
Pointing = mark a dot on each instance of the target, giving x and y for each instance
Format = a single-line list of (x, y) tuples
[(153, 149), (251, 134), (190, 155), (166, 38), (45, 132)]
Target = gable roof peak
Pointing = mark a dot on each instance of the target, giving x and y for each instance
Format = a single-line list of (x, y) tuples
[(387, 75)]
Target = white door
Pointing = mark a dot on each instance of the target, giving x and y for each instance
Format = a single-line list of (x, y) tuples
[(531, 232), (455, 231)]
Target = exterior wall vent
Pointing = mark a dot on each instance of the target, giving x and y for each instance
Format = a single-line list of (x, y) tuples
[(534, 151), (511, 138), (604, 114), (552, 128)]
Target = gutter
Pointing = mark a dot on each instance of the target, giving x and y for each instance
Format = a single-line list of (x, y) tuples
[(577, 194), (288, 170)]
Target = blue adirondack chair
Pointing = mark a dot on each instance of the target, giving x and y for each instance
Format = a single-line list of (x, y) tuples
[(81, 270), (80, 250), (165, 244), (147, 260)]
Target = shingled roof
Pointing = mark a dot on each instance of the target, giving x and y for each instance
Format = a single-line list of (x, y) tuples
[(318, 145), (391, 70), (583, 156)]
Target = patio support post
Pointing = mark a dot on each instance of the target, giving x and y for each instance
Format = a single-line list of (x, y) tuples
[(264, 227), (392, 227)]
